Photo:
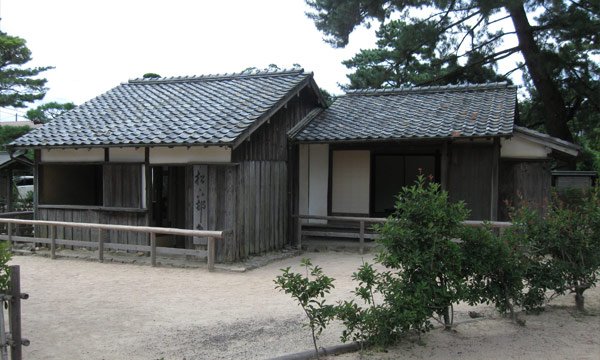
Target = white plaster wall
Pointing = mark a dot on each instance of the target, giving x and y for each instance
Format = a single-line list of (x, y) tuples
[(318, 180), (194, 154), (303, 179), (126, 154), (521, 148), (350, 181), (72, 155)]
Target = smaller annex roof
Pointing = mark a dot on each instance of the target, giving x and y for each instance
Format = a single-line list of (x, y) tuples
[(551, 142), (195, 110), (414, 113), (19, 158)]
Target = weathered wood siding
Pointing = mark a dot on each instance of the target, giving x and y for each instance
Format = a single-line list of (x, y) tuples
[(93, 216), (262, 199), (212, 205), (519, 180), (122, 185), (267, 197), (470, 177), (270, 141)]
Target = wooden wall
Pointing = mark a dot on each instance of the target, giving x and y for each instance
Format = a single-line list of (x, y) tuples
[(267, 196), (470, 177), (524, 182), (262, 221), (122, 185), (270, 141), (98, 216), (211, 196)]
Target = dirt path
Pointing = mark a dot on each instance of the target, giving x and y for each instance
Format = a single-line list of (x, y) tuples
[(87, 310), (81, 309)]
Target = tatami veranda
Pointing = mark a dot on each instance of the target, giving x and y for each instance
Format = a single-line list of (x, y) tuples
[(208, 152)]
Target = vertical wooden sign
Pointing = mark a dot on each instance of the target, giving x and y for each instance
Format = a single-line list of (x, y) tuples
[(200, 219)]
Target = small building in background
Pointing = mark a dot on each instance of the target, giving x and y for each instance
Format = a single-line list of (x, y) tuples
[(16, 167), (562, 180)]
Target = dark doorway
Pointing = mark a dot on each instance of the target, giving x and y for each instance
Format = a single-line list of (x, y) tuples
[(168, 203), (391, 172)]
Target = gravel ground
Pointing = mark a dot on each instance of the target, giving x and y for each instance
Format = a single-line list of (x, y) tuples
[(87, 310)]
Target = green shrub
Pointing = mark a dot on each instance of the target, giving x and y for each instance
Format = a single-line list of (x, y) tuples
[(506, 270), (309, 292), (419, 243), (571, 240), (5, 256), (381, 324)]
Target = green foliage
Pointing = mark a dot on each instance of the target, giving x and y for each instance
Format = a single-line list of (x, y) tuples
[(18, 85), (448, 42), (10, 133), (327, 96), (151, 75), (401, 309), (309, 291), (419, 242), (506, 270), (571, 239), (5, 256), (48, 111)]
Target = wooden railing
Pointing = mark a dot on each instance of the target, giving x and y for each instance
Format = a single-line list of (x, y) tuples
[(366, 220), (209, 253)]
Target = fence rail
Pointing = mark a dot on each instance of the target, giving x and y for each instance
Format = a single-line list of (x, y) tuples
[(367, 220), (209, 253)]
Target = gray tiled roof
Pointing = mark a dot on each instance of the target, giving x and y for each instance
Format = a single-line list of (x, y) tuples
[(212, 109), (416, 112)]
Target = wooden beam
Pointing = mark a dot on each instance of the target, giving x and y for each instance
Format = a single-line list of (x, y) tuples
[(495, 175), (53, 242), (153, 248), (444, 166), (141, 229)]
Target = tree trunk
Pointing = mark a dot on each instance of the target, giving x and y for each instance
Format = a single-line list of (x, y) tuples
[(579, 301), (554, 104), (447, 320)]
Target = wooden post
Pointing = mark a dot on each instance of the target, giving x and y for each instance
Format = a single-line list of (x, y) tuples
[(9, 230), (153, 248), (494, 180), (362, 237), (299, 233), (211, 254), (100, 246), (53, 242), (14, 313)]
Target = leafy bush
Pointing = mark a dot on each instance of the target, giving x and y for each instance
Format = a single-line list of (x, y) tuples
[(571, 239), (505, 270), (381, 324), (5, 256), (309, 291), (419, 241)]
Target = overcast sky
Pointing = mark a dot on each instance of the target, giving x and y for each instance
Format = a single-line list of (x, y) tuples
[(95, 45)]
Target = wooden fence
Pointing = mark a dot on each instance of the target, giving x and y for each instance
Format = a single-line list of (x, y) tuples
[(12, 339), (209, 253), (366, 220)]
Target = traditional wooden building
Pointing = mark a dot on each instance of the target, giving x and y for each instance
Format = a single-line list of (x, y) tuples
[(357, 154), (11, 165), (244, 152), (208, 152)]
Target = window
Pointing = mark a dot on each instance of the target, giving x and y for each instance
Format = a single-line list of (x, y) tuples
[(391, 173), (62, 184)]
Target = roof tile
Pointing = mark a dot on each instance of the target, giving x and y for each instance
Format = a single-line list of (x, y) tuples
[(207, 109), (416, 112)]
